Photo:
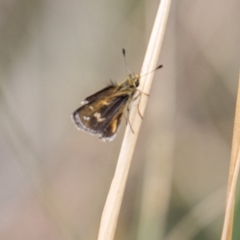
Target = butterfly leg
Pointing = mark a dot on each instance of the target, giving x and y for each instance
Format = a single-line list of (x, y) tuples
[(139, 112), (140, 94), (127, 119)]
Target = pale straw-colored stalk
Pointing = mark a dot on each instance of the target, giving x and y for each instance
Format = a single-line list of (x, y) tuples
[(115, 195), (233, 174)]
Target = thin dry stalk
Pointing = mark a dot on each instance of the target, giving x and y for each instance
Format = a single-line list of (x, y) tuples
[(233, 174), (114, 199)]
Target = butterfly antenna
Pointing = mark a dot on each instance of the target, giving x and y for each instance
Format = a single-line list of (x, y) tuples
[(155, 69), (125, 60)]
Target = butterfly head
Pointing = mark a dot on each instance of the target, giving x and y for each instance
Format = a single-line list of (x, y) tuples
[(134, 79)]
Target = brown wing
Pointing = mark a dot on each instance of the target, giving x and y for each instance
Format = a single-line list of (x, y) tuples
[(109, 132), (107, 91), (101, 115)]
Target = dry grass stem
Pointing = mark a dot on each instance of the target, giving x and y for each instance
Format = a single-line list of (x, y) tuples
[(233, 174), (114, 199)]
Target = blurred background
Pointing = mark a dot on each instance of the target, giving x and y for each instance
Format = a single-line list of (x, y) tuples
[(54, 179)]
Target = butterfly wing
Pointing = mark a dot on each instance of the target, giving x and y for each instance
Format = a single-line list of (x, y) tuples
[(109, 132), (107, 91), (101, 113)]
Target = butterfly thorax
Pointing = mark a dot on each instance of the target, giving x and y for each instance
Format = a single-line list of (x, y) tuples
[(130, 83)]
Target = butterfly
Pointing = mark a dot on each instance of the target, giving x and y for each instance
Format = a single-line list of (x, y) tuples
[(101, 113)]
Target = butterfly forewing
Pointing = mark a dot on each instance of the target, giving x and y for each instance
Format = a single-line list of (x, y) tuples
[(107, 91), (101, 115)]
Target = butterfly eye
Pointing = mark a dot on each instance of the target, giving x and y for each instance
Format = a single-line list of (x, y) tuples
[(137, 83)]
